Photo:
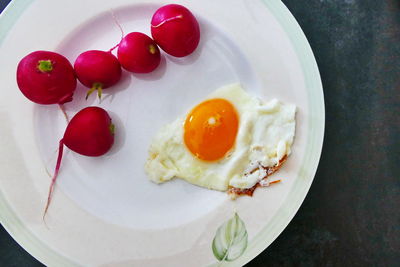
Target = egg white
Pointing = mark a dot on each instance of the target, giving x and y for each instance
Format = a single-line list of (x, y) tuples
[(265, 135)]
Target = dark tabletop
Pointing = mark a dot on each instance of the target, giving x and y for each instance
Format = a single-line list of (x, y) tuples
[(351, 215)]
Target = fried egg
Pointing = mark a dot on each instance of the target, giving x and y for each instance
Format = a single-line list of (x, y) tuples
[(229, 141)]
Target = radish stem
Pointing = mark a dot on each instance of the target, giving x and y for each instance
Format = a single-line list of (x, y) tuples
[(45, 65), (120, 28), (99, 91), (96, 87)]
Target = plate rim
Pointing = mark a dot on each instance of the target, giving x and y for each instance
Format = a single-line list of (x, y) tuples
[(316, 117), (315, 138)]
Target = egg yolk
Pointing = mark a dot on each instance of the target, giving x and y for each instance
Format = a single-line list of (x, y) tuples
[(210, 129)]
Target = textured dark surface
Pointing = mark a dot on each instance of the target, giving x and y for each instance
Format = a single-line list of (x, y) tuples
[(351, 215)]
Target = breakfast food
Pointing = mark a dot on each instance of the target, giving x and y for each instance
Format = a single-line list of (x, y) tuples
[(138, 53), (46, 77), (176, 30), (90, 133), (230, 142), (97, 70)]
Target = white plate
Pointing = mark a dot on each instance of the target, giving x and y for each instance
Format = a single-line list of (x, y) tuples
[(104, 211)]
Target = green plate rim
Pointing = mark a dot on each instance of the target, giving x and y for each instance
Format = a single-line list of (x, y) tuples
[(316, 118)]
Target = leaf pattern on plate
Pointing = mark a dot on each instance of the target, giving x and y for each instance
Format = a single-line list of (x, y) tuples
[(230, 240)]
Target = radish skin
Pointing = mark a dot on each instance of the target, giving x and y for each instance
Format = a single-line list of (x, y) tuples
[(138, 53), (90, 132), (175, 30), (97, 70), (46, 77)]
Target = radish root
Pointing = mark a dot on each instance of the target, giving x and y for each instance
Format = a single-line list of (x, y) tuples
[(120, 28), (53, 180), (62, 108)]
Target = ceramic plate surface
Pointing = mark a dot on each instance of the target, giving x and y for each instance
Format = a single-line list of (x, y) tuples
[(105, 212)]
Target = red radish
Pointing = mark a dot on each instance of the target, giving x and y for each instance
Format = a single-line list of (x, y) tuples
[(97, 70), (138, 53), (90, 133), (175, 30), (46, 77)]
